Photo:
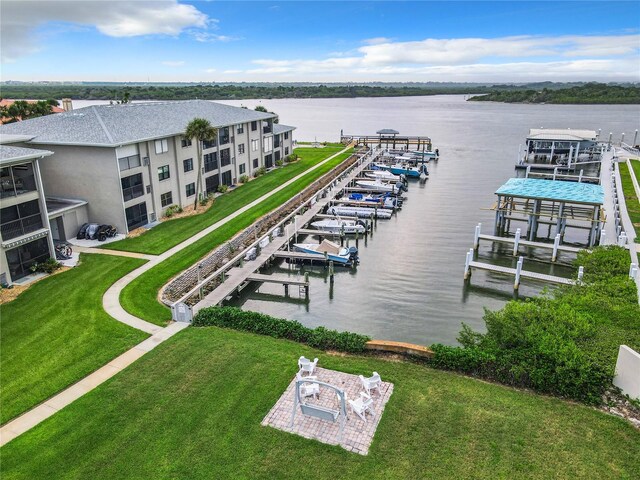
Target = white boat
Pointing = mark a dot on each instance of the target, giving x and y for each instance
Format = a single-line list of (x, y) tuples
[(379, 166), (383, 175), (360, 212), (332, 250), (377, 185), (381, 200), (339, 225)]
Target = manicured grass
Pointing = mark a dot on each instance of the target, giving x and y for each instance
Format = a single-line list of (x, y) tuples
[(633, 204), (140, 297), (170, 233), (56, 332), (192, 408)]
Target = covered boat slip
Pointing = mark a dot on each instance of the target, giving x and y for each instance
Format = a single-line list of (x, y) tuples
[(388, 138), (557, 204), (567, 148)]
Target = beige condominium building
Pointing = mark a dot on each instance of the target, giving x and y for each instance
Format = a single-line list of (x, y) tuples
[(130, 162)]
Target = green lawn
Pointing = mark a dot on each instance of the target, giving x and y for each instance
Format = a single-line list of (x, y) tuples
[(192, 408), (633, 204), (139, 298), (56, 332), (170, 233)]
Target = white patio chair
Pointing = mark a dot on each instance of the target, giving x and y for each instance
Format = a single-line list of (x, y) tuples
[(371, 383), (306, 365), (361, 405), (308, 389)]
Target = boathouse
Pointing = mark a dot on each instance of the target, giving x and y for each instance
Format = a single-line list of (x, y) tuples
[(559, 146), (557, 204)]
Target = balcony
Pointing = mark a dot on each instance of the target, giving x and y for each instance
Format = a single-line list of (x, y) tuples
[(20, 227), (17, 180), (132, 192)]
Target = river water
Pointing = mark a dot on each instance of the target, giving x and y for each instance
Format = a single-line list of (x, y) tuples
[(409, 285)]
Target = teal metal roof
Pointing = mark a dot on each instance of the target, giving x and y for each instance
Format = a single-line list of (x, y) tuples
[(558, 190)]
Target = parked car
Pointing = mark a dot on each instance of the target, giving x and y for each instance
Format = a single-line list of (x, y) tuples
[(105, 231), (83, 231)]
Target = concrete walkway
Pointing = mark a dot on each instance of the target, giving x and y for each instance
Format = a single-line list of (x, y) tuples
[(33, 417), (111, 303)]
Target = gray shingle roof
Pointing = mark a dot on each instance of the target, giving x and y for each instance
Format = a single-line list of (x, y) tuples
[(113, 125), (11, 154), (279, 128)]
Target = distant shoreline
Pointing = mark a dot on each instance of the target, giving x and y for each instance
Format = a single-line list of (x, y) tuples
[(534, 93)]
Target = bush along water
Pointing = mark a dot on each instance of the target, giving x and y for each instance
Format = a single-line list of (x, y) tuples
[(320, 337), (564, 344)]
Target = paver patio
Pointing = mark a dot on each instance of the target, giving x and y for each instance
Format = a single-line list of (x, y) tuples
[(358, 434)]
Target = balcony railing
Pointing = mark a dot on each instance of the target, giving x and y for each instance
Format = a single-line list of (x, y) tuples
[(267, 129), (21, 226)]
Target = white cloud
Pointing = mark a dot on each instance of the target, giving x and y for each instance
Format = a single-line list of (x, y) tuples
[(176, 63), (472, 59), (21, 20), (377, 40), (230, 72), (211, 70), (212, 37)]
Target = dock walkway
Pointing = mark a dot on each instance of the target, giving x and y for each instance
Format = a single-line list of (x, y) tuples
[(237, 276), (523, 273), (528, 243)]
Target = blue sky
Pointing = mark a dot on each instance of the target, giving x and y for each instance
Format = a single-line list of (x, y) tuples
[(171, 40)]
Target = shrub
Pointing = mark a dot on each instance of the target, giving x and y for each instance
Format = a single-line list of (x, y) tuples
[(255, 322), (564, 345), (291, 158), (223, 188), (279, 163), (48, 266), (244, 178), (259, 171), (172, 210)]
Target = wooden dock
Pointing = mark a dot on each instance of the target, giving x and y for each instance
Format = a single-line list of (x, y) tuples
[(235, 277), (279, 279), (523, 273)]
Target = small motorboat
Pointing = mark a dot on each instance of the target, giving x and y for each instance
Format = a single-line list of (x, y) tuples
[(339, 225), (333, 251), (380, 186), (408, 170), (360, 212), (384, 200), (379, 166), (383, 175)]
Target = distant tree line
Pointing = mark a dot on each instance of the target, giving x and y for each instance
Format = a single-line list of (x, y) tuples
[(591, 93), (534, 93), (222, 92)]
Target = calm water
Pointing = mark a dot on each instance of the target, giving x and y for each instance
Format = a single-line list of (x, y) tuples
[(409, 284)]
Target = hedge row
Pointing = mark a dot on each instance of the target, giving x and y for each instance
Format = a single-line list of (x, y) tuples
[(255, 322)]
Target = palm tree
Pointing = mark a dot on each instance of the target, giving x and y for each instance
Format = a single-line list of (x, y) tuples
[(200, 130)]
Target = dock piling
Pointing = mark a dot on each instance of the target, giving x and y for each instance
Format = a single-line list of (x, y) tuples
[(476, 238), (331, 272), (467, 264), (516, 284), (516, 242), (556, 244)]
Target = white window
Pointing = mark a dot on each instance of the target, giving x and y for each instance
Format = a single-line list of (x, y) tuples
[(255, 144), (162, 146), (268, 144), (241, 148)]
